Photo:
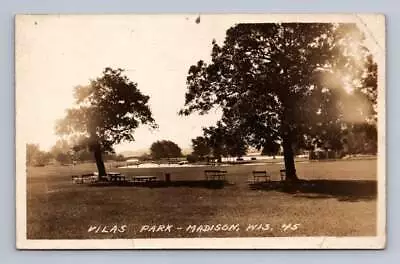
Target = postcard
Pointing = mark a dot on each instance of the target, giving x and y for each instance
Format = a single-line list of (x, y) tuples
[(200, 131)]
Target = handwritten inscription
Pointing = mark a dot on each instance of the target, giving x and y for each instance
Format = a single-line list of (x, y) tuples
[(212, 228), (156, 228), (258, 227), (104, 229), (168, 228), (289, 227)]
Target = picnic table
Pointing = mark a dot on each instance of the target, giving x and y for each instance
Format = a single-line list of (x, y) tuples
[(116, 177), (77, 179), (94, 177), (84, 178), (144, 178), (215, 175)]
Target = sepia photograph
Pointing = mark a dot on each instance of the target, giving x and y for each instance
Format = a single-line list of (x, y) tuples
[(208, 131)]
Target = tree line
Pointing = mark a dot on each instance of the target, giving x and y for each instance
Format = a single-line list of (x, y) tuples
[(62, 153)]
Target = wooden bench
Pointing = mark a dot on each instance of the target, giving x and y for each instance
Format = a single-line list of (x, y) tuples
[(261, 176), (215, 175)]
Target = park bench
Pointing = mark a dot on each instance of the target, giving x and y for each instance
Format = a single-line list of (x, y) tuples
[(144, 179), (261, 176), (215, 175)]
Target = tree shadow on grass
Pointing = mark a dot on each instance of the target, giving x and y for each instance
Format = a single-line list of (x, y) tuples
[(216, 184), (343, 190)]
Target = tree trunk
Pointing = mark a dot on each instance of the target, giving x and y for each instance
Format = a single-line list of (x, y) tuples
[(99, 161), (289, 160)]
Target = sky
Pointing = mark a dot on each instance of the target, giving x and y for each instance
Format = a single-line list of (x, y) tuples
[(54, 54)]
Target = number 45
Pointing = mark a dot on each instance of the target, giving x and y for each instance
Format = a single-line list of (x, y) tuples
[(292, 227)]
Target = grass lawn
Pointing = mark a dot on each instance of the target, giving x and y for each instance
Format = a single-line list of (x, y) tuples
[(339, 199)]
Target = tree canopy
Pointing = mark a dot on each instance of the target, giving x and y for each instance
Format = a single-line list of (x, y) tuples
[(296, 83), (225, 141), (165, 149), (37, 157), (62, 151), (106, 112), (271, 149), (200, 147), (219, 141)]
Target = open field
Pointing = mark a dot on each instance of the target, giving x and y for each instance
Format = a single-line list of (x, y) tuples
[(339, 199)]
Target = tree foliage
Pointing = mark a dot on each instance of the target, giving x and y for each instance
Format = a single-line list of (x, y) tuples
[(219, 141), (32, 151), (165, 149), (106, 112), (62, 151), (201, 147), (297, 83), (225, 141), (37, 157), (360, 139), (271, 149)]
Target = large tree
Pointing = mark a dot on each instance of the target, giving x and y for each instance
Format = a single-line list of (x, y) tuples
[(291, 82), (106, 112), (200, 147), (165, 149)]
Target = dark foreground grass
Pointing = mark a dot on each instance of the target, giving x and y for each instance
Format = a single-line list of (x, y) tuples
[(335, 198)]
